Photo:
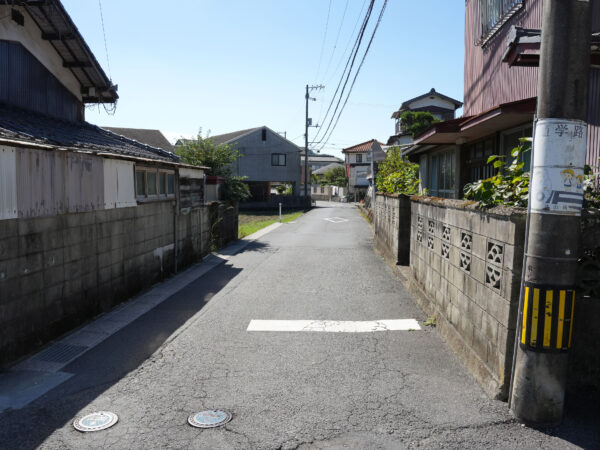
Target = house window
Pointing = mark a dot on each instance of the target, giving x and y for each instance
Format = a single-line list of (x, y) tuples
[(442, 174), (491, 16), (278, 159), (322, 189), (154, 183), (476, 163), (511, 139), (359, 158)]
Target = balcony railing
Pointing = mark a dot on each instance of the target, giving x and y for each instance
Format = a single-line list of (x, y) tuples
[(490, 15)]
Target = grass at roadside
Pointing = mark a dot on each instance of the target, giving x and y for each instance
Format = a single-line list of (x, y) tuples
[(252, 221)]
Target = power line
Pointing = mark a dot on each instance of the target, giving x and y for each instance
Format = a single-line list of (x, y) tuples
[(104, 34), (336, 39), (360, 66), (324, 39), (348, 69)]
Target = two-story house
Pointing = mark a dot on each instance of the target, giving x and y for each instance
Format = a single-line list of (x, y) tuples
[(439, 105), (358, 165), (500, 89), (266, 158)]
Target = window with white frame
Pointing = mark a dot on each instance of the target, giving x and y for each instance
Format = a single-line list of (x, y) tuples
[(154, 183)]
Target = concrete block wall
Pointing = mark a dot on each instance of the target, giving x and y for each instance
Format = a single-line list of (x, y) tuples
[(392, 227), (57, 272), (468, 262)]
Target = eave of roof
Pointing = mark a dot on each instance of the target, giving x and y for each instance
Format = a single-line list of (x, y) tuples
[(523, 48), (58, 28), (468, 129)]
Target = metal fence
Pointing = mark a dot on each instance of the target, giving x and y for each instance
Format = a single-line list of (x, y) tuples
[(490, 15)]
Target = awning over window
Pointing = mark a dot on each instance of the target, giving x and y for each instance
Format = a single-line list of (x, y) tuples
[(472, 128)]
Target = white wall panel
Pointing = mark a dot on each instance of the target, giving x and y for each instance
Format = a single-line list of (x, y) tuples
[(119, 186)]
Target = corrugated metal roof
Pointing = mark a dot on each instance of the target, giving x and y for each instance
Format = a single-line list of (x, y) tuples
[(28, 127), (231, 137)]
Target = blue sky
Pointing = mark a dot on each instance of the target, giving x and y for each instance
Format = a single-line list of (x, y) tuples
[(233, 64)]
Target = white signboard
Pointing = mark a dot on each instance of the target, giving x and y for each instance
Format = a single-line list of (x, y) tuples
[(558, 164)]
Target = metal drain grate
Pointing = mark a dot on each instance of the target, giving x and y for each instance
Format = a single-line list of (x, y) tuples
[(61, 353)]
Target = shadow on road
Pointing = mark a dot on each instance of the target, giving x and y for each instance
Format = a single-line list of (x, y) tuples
[(110, 361)]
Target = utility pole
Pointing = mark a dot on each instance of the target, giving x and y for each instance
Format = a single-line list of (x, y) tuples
[(308, 123), (545, 321)]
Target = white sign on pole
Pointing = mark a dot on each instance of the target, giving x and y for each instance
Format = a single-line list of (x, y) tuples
[(559, 160)]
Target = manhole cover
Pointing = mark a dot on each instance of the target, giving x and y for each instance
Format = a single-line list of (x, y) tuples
[(209, 419), (96, 421)]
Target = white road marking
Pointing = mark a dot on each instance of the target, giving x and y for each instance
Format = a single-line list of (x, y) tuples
[(334, 326), (336, 219)]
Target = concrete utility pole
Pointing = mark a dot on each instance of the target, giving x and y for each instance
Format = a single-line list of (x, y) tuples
[(308, 123), (545, 322)]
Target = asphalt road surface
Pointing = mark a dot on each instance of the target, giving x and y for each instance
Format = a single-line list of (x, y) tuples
[(286, 389)]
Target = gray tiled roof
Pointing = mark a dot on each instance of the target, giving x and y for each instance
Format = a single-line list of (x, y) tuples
[(25, 126), (226, 138), (153, 138)]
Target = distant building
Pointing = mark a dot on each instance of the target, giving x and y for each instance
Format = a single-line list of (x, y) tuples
[(153, 138), (358, 165), (267, 158), (440, 106)]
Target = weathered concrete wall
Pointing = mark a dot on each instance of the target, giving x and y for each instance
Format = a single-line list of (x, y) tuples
[(392, 227), (57, 272), (584, 358), (467, 263)]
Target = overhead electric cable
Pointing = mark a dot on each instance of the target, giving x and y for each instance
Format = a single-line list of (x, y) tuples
[(324, 39), (350, 63), (104, 34), (358, 69)]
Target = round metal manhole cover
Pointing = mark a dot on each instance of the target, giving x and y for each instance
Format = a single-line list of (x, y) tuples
[(209, 419), (97, 421)]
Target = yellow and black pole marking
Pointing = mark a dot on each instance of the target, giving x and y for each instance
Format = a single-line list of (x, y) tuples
[(547, 322)]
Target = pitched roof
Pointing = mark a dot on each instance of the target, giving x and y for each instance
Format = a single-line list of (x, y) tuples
[(230, 137), (153, 138), (361, 148), (406, 105), (327, 168), (19, 126), (321, 158), (58, 28)]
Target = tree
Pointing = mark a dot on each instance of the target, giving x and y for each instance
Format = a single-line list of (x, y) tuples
[(334, 177), (417, 122), (202, 151), (396, 175)]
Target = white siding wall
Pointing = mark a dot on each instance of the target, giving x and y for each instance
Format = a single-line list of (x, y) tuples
[(55, 182), (8, 183), (119, 191)]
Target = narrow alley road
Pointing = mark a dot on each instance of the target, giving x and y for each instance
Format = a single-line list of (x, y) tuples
[(285, 389)]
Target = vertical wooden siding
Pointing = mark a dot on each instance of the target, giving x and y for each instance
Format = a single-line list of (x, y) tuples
[(27, 84), (488, 81)]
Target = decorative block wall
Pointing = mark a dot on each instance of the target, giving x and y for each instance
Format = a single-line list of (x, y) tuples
[(468, 264)]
